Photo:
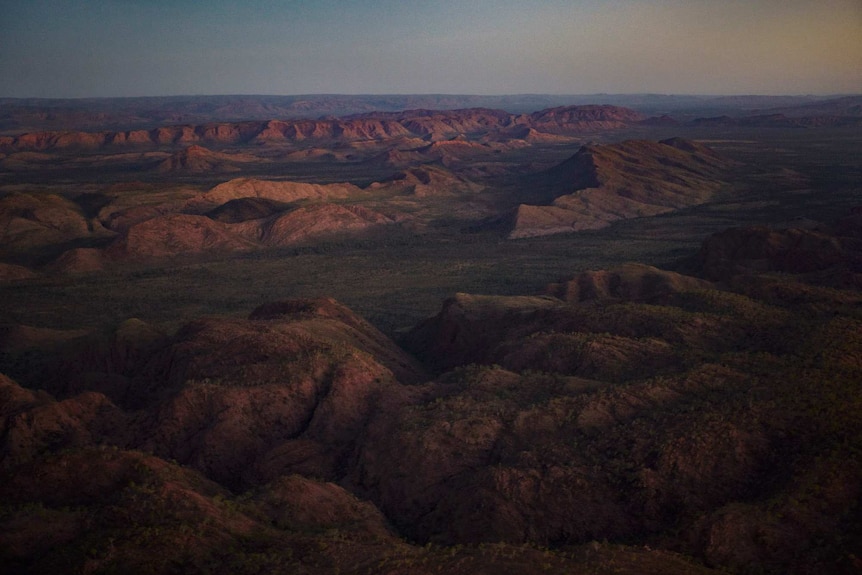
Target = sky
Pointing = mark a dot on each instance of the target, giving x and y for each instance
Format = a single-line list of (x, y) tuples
[(107, 48)]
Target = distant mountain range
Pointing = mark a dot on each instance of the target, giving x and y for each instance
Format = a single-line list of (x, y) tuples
[(29, 114)]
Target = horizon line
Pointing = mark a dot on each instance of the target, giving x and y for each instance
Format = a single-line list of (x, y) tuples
[(444, 94)]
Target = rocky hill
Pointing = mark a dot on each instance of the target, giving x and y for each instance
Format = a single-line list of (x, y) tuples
[(30, 221), (604, 183), (706, 421), (280, 191), (198, 159)]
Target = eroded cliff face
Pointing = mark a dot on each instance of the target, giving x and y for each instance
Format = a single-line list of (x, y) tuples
[(428, 124)]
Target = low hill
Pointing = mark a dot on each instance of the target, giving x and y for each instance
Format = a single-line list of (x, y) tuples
[(243, 209), (631, 282), (30, 221), (580, 118), (279, 191), (827, 256), (196, 159), (175, 234), (648, 407), (319, 220), (604, 183), (182, 234), (427, 180)]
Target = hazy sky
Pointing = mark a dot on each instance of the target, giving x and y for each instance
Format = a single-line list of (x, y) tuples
[(77, 48)]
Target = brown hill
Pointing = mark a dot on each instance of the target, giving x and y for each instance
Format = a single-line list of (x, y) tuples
[(139, 514), (454, 151), (197, 159), (28, 221), (444, 124), (823, 257), (526, 133), (175, 234), (118, 217), (780, 120), (633, 282), (38, 345), (582, 118), (13, 272), (234, 227), (428, 180), (714, 423), (243, 209), (84, 420), (347, 130), (468, 325), (279, 191), (487, 454), (319, 220), (285, 391), (399, 158), (78, 260), (53, 140), (318, 155), (530, 221), (26, 160), (626, 180)]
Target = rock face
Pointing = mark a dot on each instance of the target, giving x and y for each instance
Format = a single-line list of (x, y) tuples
[(604, 183)]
